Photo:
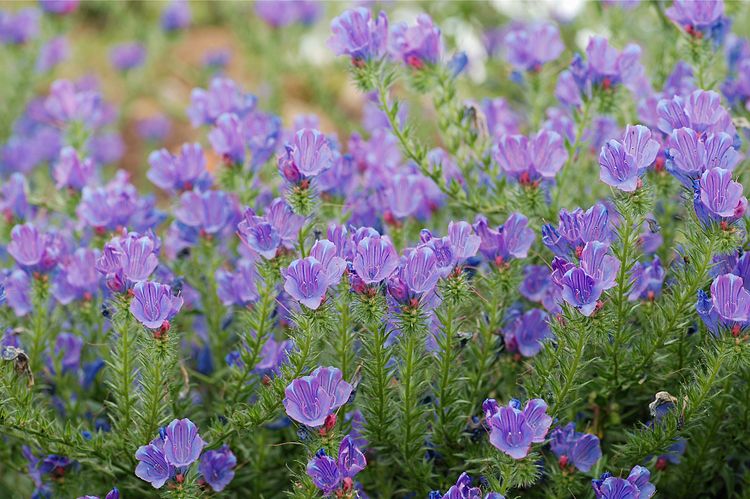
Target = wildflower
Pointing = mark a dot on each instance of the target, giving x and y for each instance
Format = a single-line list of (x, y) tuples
[(127, 56), (699, 17), (176, 16), (646, 280), (72, 171), (307, 156), (530, 47), (577, 228), (258, 234), (581, 450), (68, 348), (78, 277), (153, 303), (636, 486), (182, 444), (329, 474), (720, 198), (60, 7), (417, 45), (512, 430), (511, 240), (623, 163), (223, 96), (730, 298), (420, 270), (179, 172), (52, 53), (14, 198), (690, 154), (310, 399), (306, 281), (210, 211), (20, 27), (528, 160), (375, 259), (228, 140), (326, 253), (239, 287), (356, 34), (463, 490), (464, 242), (294, 11), (527, 332), (130, 257), (702, 111), (153, 466), (217, 467), (33, 249)]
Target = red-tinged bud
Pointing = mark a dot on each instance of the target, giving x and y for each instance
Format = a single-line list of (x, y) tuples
[(639, 183), (358, 62), (563, 461), (58, 472), (330, 422), (606, 83), (131, 293), (348, 484), (659, 164), (579, 251), (87, 296), (266, 380), (736, 330), (724, 226), (304, 184), (187, 186), (179, 478), (414, 61), (499, 261), (661, 464), (228, 161), (650, 296), (517, 357), (8, 215), (524, 178), (599, 305), (413, 303), (390, 218), (100, 231)]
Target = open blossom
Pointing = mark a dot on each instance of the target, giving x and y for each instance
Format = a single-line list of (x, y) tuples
[(178, 446), (264, 235), (78, 277), (153, 303), (179, 172), (636, 486), (306, 281), (623, 163), (176, 16), (72, 171), (529, 47), (228, 139), (583, 286), (328, 474), (239, 287), (223, 96), (527, 332), (730, 298), (646, 280), (464, 489), (60, 7), (701, 110), (356, 34), (513, 430), (310, 399), (19, 27), (131, 257), (217, 467), (418, 44), (126, 56), (530, 159), (581, 450), (209, 211), (700, 17), (511, 240), (375, 259), (690, 154), (308, 155), (34, 249), (577, 228), (721, 198)]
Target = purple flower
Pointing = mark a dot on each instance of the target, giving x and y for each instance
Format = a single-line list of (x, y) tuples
[(209, 211), (309, 154), (33, 249), (306, 281), (131, 255), (528, 160), (582, 450), (14, 198), (222, 97), (310, 399), (730, 299), (417, 45), (512, 430), (238, 288), (68, 348), (527, 332), (18, 292), (153, 466), (696, 15), (182, 172), (78, 277), (153, 303), (217, 467), (721, 198), (72, 171), (511, 240), (623, 163), (326, 253), (636, 486), (325, 472), (529, 47), (182, 444), (577, 228), (259, 235), (702, 112), (351, 460), (463, 242), (127, 56), (19, 27), (60, 7), (356, 34), (52, 53), (580, 290), (154, 128), (228, 140), (176, 16), (646, 280), (302, 11), (375, 259), (420, 270)]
